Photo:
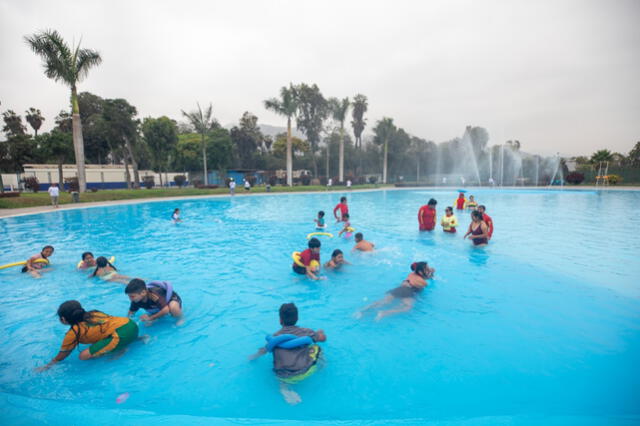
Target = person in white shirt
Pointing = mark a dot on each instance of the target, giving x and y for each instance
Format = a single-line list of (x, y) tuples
[(54, 192), (247, 185), (348, 183), (232, 187), (329, 183)]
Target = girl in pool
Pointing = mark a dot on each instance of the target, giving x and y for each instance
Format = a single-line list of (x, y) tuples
[(107, 272), (88, 261), (471, 203), (406, 292), (449, 221), (35, 268), (346, 230), (176, 216), (478, 230), (104, 332), (337, 260)]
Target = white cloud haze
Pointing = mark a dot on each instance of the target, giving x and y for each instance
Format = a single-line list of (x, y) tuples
[(556, 75)]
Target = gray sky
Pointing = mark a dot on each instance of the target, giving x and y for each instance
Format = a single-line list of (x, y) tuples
[(557, 75)]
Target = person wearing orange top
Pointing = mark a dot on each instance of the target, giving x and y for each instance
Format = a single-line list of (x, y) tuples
[(104, 332), (427, 216), (486, 219), (460, 202)]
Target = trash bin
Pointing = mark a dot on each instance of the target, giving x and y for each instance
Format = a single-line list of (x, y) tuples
[(75, 196)]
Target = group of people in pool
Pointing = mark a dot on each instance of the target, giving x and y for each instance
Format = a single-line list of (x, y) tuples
[(480, 229)]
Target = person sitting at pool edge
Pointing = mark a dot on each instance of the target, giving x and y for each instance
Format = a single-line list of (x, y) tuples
[(427, 216), (293, 365), (415, 282), (320, 221), (344, 209), (486, 219), (107, 272), (88, 261), (362, 244), (104, 332), (337, 260), (152, 297), (306, 256), (449, 221), (34, 267)]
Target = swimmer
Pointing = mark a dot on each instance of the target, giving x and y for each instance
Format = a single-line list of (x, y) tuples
[(478, 230), (362, 244), (176, 216), (460, 201), (427, 216), (34, 268), (486, 219), (107, 272), (88, 261), (296, 364), (415, 282), (449, 221), (104, 332), (346, 229), (337, 260), (471, 203), (320, 221), (152, 297), (306, 256), (344, 209)]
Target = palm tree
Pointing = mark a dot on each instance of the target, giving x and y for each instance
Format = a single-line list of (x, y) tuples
[(69, 65), (601, 155), (339, 110), (203, 123), (34, 118), (384, 131), (359, 122), (286, 106)]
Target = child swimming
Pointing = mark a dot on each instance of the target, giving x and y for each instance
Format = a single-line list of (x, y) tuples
[(294, 364), (362, 244), (346, 228), (406, 292), (176, 216), (88, 261), (337, 260), (107, 272), (155, 297), (104, 332), (35, 268), (471, 203), (449, 221), (320, 225), (306, 258)]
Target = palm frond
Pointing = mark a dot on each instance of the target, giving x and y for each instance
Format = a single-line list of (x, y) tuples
[(85, 59), (55, 53)]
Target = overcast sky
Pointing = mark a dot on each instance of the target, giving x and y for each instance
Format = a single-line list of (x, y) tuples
[(556, 75)]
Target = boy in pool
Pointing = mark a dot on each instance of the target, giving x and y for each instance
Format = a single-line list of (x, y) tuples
[(176, 216), (34, 268), (344, 209), (156, 297), (362, 244), (306, 258), (320, 221), (88, 261), (337, 260), (295, 364)]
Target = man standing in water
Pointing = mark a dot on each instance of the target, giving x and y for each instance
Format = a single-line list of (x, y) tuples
[(427, 216)]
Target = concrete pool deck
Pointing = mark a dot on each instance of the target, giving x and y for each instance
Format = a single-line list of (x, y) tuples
[(4, 213)]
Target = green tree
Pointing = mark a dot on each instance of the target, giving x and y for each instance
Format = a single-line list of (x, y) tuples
[(358, 123), (246, 138), (203, 123), (34, 118), (634, 156), (281, 146), (219, 150), (339, 109), (122, 127), (57, 146), (13, 124), (161, 136), (312, 111), (69, 65), (384, 131), (601, 155), (286, 106)]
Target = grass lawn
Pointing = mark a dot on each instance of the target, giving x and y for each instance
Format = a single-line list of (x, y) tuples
[(27, 199)]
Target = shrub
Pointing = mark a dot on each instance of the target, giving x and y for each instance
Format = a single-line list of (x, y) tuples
[(72, 183), (148, 181), (615, 179), (31, 183), (273, 180), (197, 183), (305, 179), (179, 180), (323, 180), (373, 179), (575, 178)]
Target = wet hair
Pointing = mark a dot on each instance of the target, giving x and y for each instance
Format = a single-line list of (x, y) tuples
[(481, 206), (86, 253), (288, 314), (432, 202), (420, 268), (176, 210), (73, 313), (47, 247), (321, 213), (476, 214), (343, 199), (136, 286), (336, 252), (346, 215), (102, 262), (359, 236), (448, 209), (314, 243)]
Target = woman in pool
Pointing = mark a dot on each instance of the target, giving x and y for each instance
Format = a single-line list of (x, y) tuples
[(478, 230), (107, 272), (104, 332), (406, 292)]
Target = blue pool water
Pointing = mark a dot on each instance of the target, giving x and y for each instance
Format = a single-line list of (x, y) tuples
[(542, 326)]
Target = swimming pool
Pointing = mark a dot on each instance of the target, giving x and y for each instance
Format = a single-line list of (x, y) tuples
[(542, 326)]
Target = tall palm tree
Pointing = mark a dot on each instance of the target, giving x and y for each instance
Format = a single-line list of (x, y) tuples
[(203, 122), (34, 118), (339, 108), (286, 106), (384, 131), (69, 65), (358, 123)]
